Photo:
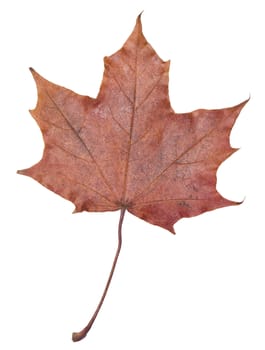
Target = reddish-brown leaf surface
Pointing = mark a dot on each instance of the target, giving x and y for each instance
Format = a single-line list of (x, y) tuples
[(127, 149)]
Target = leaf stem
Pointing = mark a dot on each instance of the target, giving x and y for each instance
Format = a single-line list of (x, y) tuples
[(77, 336)]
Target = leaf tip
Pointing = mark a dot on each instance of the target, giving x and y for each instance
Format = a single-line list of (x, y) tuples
[(32, 71), (139, 16), (138, 20), (171, 229), (242, 104), (25, 172), (78, 208), (240, 202)]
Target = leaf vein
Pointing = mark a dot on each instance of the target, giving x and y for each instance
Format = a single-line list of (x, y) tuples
[(89, 188), (116, 121), (121, 88), (149, 93), (170, 199), (82, 142), (174, 162)]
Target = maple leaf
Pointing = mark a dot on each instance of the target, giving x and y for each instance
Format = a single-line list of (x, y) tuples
[(127, 149)]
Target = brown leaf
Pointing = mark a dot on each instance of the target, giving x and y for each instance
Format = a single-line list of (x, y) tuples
[(127, 149)]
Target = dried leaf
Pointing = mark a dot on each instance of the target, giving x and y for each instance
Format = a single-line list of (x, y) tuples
[(127, 149)]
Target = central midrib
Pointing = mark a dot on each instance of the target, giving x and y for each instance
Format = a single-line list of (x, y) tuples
[(124, 201)]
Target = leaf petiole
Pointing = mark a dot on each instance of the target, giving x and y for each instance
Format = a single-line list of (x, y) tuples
[(77, 336)]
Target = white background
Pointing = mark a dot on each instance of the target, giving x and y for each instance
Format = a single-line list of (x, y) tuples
[(200, 289)]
